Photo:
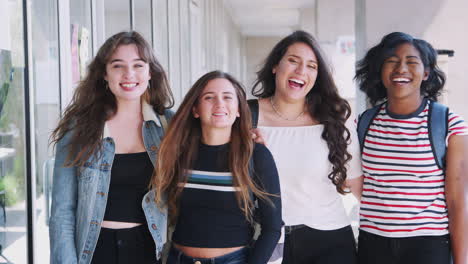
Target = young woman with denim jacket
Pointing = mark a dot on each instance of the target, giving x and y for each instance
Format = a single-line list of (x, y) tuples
[(213, 174), (106, 147)]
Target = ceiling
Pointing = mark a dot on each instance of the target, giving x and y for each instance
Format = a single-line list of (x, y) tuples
[(267, 17)]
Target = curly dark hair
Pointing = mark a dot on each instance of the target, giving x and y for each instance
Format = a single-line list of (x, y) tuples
[(368, 70), (323, 102), (93, 104)]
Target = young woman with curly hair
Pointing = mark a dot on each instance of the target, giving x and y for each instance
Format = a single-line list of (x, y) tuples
[(302, 119), (106, 146), (412, 200), (215, 180)]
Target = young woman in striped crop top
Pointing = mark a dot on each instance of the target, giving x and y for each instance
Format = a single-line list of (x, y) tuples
[(214, 178), (413, 210)]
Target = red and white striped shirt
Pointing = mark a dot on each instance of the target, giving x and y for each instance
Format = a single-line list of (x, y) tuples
[(403, 192)]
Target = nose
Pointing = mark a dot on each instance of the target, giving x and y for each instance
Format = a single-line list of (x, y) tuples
[(219, 101), (128, 73), (401, 67), (301, 68)]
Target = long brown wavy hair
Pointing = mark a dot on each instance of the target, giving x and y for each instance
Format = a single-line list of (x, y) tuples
[(93, 104), (323, 102), (178, 150)]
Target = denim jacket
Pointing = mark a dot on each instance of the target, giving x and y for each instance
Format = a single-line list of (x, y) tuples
[(79, 196)]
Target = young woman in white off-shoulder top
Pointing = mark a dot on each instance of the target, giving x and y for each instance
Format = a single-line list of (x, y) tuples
[(302, 119)]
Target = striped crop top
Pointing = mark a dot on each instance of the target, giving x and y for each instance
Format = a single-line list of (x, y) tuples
[(209, 215)]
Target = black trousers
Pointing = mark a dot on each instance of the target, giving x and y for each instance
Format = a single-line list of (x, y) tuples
[(408, 250), (125, 246), (305, 245)]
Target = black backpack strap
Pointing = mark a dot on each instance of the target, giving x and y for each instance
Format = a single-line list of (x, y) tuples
[(438, 130), (365, 119), (253, 104)]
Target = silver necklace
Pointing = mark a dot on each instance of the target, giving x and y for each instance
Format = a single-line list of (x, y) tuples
[(280, 115)]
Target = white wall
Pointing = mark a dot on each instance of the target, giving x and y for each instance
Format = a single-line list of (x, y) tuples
[(257, 49), (332, 24), (218, 44)]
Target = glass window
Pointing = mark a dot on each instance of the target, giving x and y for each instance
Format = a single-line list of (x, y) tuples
[(184, 68), (174, 51), (142, 18), (13, 231), (117, 13), (161, 33), (45, 86), (81, 41)]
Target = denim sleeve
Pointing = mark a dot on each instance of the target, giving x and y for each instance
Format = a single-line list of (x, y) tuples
[(269, 212), (64, 201)]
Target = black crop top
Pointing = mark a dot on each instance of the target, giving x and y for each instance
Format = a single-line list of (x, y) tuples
[(209, 215), (130, 176)]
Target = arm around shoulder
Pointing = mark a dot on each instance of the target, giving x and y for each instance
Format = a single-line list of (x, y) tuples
[(64, 200), (456, 191)]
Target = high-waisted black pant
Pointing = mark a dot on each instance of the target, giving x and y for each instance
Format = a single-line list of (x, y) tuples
[(125, 246), (305, 245)]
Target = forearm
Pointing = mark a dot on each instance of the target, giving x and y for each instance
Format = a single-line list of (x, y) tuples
[(458, 225), (456, 192), (355, 185), (264, 246)]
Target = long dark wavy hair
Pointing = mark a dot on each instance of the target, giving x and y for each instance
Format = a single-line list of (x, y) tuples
[(369, 69), (323, 102), (178, 150), (93, 104)]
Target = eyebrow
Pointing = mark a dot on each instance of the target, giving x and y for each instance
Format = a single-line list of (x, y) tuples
[(408, 57), (295, 56), (119, 60), (214, 92)]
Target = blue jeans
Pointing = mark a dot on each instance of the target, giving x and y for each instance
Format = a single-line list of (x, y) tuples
[(407, 250), (237, 257)]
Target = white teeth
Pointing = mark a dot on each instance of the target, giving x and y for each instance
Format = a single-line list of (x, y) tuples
[(297, 81), (219, 114), (129, 85), (401, 80)]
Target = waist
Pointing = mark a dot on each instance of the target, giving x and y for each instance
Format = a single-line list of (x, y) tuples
[(119, 225), (121, 208), (189, 253)]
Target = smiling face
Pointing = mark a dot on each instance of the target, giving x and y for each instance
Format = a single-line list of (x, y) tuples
[(127, 74), (296, 72), (403, 72), (217, 105)]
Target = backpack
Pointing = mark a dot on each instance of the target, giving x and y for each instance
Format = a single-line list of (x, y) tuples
[(253, 105), (437, 127)]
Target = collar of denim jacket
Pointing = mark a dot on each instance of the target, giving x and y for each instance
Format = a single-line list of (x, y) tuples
[(148, 115)]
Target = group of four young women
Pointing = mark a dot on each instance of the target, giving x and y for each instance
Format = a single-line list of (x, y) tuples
[(120, 190)]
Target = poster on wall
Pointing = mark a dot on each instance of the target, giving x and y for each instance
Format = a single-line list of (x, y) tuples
[(83, 40), (6, 76), (75, 66)]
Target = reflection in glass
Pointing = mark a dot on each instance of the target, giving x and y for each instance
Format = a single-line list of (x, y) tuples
[(81, 43), (13, 238)]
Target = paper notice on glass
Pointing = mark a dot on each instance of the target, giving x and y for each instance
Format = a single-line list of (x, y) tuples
[(75, 66), (83, 50)]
